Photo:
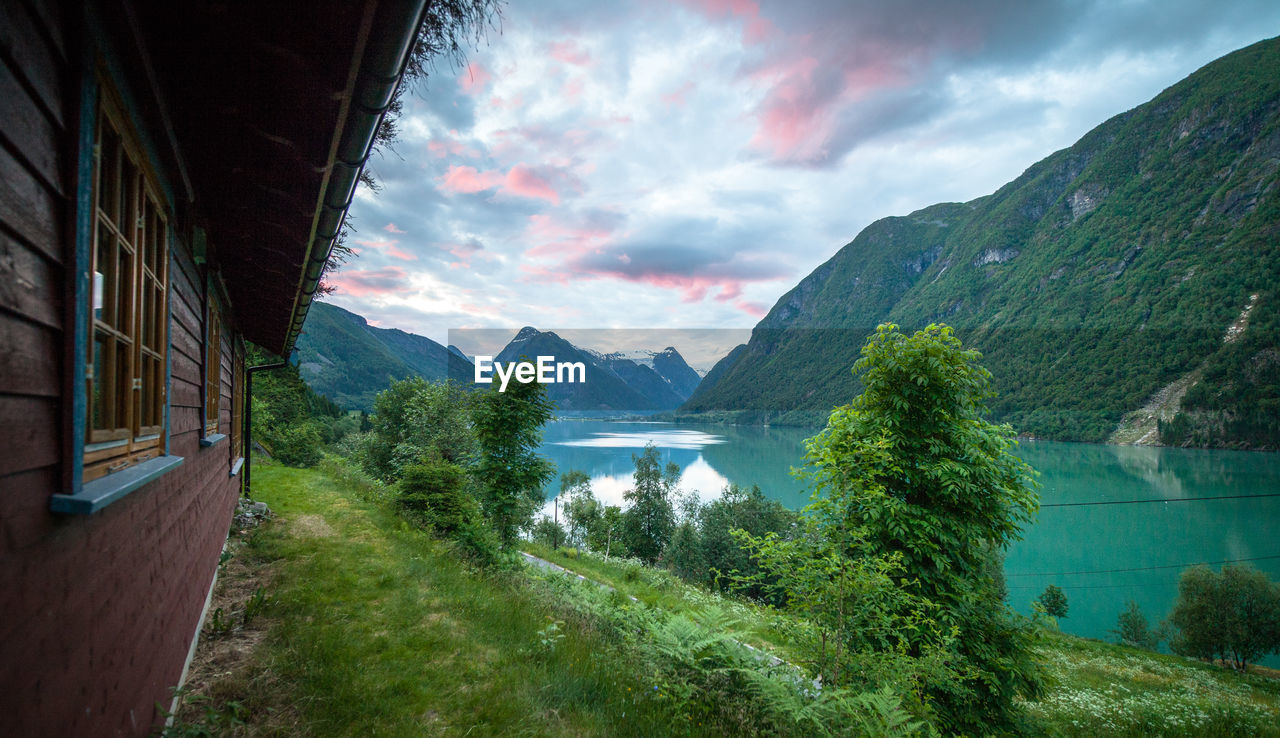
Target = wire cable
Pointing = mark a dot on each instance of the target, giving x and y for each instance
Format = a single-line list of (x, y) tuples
[(1142, 568), (1160, 499)]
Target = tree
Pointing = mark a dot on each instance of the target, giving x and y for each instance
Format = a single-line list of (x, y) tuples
[(415, 419), (648, 522), (1233, 615), (1133, 630), (933, 485), (608, 530), (582, 510), (508, 428), (1054, 601), (438, 490), (738, 508)]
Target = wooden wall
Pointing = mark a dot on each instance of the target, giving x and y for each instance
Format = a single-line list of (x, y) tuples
[(97, 612)]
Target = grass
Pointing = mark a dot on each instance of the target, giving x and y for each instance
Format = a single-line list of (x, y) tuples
[(368, 626), (376, 629), (1104, 689), (757, 626)]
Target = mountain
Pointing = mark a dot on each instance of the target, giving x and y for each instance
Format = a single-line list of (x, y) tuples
[(623, 381), (349, 361), (1121, 289), (671, 366)]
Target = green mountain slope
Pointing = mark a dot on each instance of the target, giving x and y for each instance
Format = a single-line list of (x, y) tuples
[(1103, 274), (349, 361)]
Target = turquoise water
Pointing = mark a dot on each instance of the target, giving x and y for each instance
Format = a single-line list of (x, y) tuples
[(1101, 555)]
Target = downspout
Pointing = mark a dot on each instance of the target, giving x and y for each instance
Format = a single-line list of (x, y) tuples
[(248, 419)]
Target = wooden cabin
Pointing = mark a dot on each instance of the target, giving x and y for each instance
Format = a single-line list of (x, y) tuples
[(172, 179)]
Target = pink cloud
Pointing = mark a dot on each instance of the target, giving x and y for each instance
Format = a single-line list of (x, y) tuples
[(754, 309), (390, 247), (572, 89), (391, 228), (474, 78), (570, 53), (371, 282), (523, 181), (465, 252), (755, 29), (538, 183), (678, 97), (468, 180), (440, 148), (552, 238)]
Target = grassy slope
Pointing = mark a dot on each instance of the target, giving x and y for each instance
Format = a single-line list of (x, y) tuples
[(1096, 688), (377, 629), (373, 628)]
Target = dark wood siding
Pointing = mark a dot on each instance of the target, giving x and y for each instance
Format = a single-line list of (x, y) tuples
[(97, 612)]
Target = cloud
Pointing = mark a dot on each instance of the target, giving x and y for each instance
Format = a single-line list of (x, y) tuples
[(474, 78), (570, 53), (390, 247), (371, 282), (645, 152), (468, 180)]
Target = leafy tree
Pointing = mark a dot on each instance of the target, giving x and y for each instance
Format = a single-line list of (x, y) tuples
[(547, 531), (863, 618), (1233, 615), (738, 508), (414, 419), (289, 419), (647, 524), (582, 511), (508, 428), (932, 484), (1133, 630), (607, 531), (684, 553), (1054, 601)]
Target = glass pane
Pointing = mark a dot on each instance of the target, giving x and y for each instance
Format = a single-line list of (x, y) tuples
[(108, 170), (129, 202), (100, 265), (124, 303), (123, 385), (99, 409), (148, 391)]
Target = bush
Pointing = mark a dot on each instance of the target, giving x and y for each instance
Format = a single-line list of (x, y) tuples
[(297, 445), (437, 490), (1132, 629), (1233, 615), (1054, 601)]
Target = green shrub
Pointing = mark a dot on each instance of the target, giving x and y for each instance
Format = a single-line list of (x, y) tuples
[(437, 490), (296, 445)]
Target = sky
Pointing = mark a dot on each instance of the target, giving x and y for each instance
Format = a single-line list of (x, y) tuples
[(652, 164)]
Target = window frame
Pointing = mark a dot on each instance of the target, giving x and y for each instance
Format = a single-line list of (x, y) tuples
[(212, 363), (127, 310)]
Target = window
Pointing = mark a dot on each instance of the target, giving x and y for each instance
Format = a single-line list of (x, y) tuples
[(237, 398), (212, 366), (125, 372)]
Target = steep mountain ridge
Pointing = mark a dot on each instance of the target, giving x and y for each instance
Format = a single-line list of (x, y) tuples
[(1101, 275), (349, 361), (612, 381)]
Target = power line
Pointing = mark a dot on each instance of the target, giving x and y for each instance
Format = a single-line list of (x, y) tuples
[(1086, 586), (1143, 568), (1160, 499)]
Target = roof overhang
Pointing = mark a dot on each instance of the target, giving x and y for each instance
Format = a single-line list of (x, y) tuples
[(271, 108)]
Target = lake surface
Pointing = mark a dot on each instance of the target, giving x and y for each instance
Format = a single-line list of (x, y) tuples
[(1101, 555)]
